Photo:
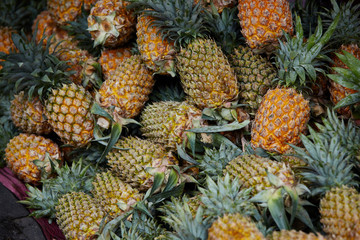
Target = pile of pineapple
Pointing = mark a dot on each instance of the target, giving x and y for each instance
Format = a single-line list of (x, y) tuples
[(183, 119)]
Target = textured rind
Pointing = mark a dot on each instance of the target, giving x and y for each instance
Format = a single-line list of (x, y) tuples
[(263, 22), (110, 23), (234, 226), (254, 73), (6, 42), (23, 149), (127, 89), (158, 54), (134, 165), (281, 118), (293, 234), (165, 122), (79, 216), (110, 58), (28, 115), (251, 172), (206, 74), (340, 213), (46, 25), (109, 190), (68, 112)]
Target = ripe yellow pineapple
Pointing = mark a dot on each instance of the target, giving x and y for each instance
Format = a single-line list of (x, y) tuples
[(46, 25), (110, 58), (28, 115), (125, 92), (6, 42), (115, 196), (293, 234), (166, 122), (24, 149), (234, 226), (136, 161), (263, 22), (157, 53), (110, 23), (79, 216)]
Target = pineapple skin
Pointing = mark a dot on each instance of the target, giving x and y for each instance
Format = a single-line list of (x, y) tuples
[(293, 234), (262, 22), (23, 149), (110, 58), (166, 122), (206, 74), (254, 74), (68, 112), (251, 172), (128, 89), (157, 54), (234, 226), (340, 213), (109, 191), (281, 118), (136, 165), (6, 42), (46, 25), (110, 23), (78, 216), (28, 115)]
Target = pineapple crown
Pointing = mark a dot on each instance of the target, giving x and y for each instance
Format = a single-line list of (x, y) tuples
[(329, 162), (180, 21), (308, 13), (348, 77), (299, 60), (347, 30), (32, 68)]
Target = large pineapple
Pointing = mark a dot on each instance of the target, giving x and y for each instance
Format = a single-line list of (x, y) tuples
[(110, 58), (263, 22), (284, 112), (234, 226), (24, 149), (115, 196), (166, 122), (125, 92), (79, 216), (110, 23), (136, 160)]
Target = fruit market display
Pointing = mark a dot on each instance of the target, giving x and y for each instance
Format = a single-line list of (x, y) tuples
[(184, 119)]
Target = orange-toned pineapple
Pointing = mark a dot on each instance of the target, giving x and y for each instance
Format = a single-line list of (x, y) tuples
[(157, 53), (263, 22), (46, 25), (6, 42), (110, 58), (23, 149)]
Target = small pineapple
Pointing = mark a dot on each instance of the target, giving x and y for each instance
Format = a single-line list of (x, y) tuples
[(165, 122), (79, 216), (110, 23), (293, 234), (136, 160), (234, 226), (115, 196), (263, 22), (24, 149)]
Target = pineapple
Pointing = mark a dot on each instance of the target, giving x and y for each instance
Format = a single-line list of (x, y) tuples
[(293, 234), (6, 43), (204, 70), (79, 216), (110, 23), (125, 92), (157, 54), (136, 160), (115, 196), (110, 58), (24, 150), (263, 22), (254, 73), (284, 112), (45, 24), (234, 226), (165, 122), (28, 115)]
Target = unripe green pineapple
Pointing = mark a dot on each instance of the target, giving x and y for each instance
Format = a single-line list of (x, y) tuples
[(115, 196), (254, 74), (293, 234), (136, 160), (251, 171), (234, 226), (166, 122), (79, 216), (340, 213)]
